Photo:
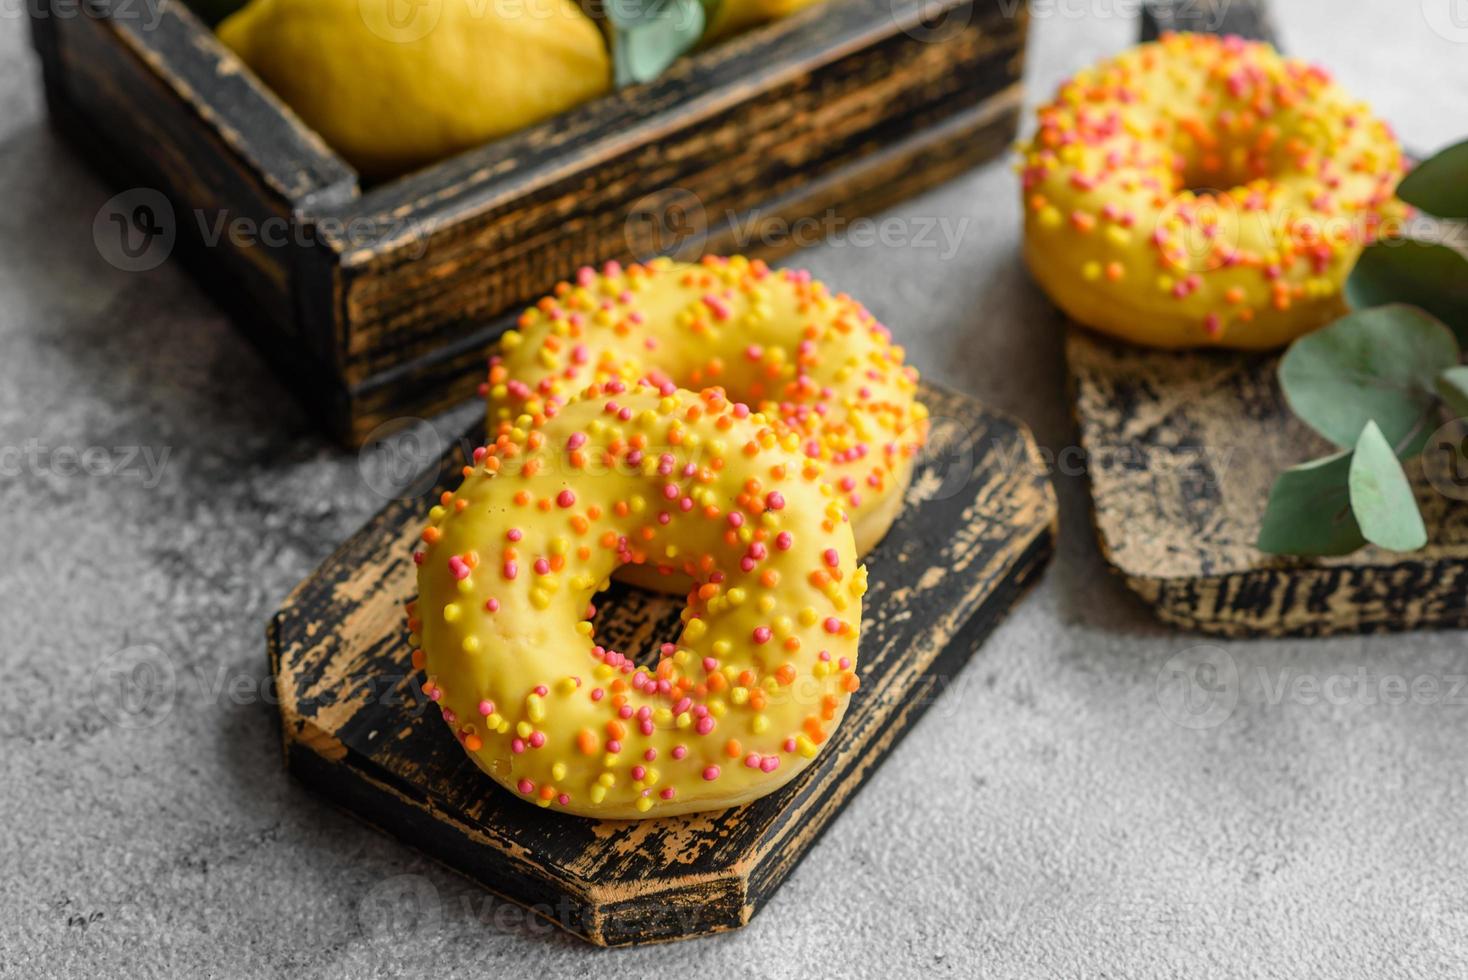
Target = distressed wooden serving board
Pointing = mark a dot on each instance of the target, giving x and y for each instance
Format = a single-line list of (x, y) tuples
[(1183, 449), (977, 527)]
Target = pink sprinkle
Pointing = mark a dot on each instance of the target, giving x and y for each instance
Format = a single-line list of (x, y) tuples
[(459, 569), (486, 708), (832, 624), (537, 739), (667, 793), (736, 519), (511, 570), (542, 567), (720, 309), (832, 558), (514, 534), (525, 786), (705, 725), (762, 634), (769, 763), (774, 501), (638, 772), (492, 605), (679, 751), (711, 773)]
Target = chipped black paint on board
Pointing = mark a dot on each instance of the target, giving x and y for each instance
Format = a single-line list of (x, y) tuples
[(977, 529)]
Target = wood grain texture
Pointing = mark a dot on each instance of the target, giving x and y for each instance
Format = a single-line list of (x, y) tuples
[(977, 529), (377, 295), (1182, 451)]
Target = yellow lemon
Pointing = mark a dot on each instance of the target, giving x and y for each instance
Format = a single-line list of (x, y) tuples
[(394, 84)]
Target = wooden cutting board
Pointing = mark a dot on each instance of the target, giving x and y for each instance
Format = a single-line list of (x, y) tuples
[(1182, 450), (977, 528)]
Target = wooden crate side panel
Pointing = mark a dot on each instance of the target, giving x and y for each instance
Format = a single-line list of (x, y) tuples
[(153, 101), (449, 375)]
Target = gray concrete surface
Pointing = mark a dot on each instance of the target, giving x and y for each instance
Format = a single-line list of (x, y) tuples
[(1050, 817)]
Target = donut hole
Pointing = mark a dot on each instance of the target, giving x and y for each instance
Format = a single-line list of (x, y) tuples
[(636, 622)]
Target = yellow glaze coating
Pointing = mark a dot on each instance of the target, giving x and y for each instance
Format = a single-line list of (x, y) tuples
[(392, 86), (776, 339), (1204, 192), (765, 664)]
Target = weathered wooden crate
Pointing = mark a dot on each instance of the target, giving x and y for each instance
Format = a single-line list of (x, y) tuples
[(378, 302)]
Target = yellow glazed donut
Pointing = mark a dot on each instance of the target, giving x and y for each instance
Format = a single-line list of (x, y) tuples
[(1204, 192), (776, 339), (765, 664)]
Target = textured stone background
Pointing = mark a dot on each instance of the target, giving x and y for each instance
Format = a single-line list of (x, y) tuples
[(1050, 817)]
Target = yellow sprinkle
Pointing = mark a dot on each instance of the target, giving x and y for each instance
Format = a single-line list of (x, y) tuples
[(644, 804), (471, 644), (451, 612)]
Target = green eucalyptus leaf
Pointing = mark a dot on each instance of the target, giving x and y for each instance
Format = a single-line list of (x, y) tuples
[(643, 50), (1381, 496), (1439, 184), (1424, 274), (1377, 364), (1452, 387), (1309, 511)]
